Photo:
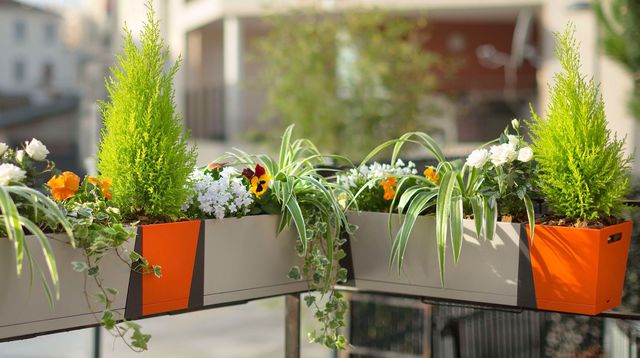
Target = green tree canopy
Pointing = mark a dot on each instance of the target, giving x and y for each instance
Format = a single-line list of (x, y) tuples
[(348, 80)]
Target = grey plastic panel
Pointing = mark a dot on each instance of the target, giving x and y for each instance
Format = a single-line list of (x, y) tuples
[(486, 272), (245, 259), (24, 308)]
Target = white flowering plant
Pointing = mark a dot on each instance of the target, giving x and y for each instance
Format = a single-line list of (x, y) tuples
[(218, 191), (26, 209), (372, 187), (504, 175)]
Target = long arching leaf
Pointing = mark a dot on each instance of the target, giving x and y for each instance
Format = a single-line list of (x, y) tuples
[(443, 209)]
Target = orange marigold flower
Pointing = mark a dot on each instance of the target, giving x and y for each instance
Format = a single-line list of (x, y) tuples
[(389, 185), (431, 174), (64, 186)]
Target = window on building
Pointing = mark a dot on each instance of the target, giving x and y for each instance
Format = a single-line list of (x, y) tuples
[(47, 75), (20, 30), (19, 71), (50, 32)]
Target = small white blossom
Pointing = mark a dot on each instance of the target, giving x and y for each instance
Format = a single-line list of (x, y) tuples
[(513, 139), (36, 150), (525, 154), (515, 123), (20, 155), (3, 148), (478, 158), (502, 154), (11, 173)]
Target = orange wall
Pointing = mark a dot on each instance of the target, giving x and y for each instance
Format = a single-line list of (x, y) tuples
[(472, 76)]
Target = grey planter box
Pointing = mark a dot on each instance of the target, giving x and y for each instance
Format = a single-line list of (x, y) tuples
[(236, 260), (494, 272)]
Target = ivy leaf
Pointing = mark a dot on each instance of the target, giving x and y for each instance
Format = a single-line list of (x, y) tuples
[(139, 340), (79, 266), (294, 273), (157, 271), (93, 271), (309, 300), (112, 291), (107, 320)]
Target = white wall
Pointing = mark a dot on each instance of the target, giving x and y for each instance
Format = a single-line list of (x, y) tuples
[(34, 50), (615, 81)]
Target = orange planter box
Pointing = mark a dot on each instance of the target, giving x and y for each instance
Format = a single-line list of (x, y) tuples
[(579, 270), (178, 248)]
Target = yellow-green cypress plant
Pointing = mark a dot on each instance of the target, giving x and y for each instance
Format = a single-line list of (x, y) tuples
[(144, 149), (584, 173)]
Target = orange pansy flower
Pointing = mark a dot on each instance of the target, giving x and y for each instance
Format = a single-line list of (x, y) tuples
[(431, 174), (104, 184), (64, 186)]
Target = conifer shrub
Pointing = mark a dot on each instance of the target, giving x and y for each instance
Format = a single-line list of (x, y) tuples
[(143, 147), (584, 173)]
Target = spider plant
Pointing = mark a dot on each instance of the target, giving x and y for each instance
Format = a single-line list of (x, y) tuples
[(30, 208), (306, 200)]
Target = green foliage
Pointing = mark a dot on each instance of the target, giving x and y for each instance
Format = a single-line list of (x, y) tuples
[(621, 39), (348, 80), (584, 174), (144, 147), (26, 210), (305, 200), (99, 232)]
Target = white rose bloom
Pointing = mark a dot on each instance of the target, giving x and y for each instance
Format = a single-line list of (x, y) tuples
[(10, 173), (3, 148), (503, 153), (525, 154), (36, 150), (20, 155), (478, 158), (513, 139)]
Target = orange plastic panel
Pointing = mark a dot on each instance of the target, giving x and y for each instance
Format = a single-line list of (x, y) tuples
[(173, 247), (579, 270)]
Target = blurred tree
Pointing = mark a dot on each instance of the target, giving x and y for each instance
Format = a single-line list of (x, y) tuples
[(350, 80), (621, 38)]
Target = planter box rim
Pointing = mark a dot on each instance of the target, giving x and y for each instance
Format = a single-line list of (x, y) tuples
[(625, 222)]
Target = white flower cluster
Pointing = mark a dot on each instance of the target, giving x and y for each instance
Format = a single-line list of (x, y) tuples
[(225, 196), (500, 154), (10, 173), (375, 171)]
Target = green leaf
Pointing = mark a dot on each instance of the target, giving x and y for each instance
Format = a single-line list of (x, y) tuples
[(530, 215), (421, 202), (456, 226), (79, 266), (490, 217), (443, 210), (294, 273), (309, 299), (157, 271), (93, 271), (477, 205)]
